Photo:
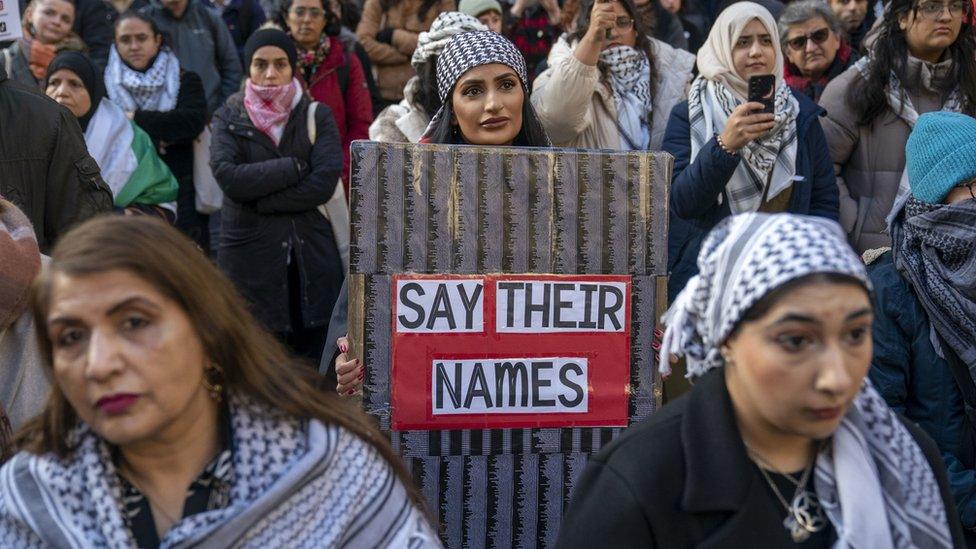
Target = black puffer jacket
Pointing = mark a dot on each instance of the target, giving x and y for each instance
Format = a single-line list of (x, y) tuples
[(270, 211), (45, 168)]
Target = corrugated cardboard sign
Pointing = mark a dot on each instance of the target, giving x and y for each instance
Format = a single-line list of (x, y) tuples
[(503, 301)]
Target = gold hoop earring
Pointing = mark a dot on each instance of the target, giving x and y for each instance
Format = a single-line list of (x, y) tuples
[(213, 376)]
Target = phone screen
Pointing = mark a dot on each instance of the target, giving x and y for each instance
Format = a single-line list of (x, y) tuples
[(762, 90)]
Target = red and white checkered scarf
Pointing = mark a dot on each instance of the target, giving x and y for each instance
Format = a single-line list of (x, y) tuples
[(269, 106)]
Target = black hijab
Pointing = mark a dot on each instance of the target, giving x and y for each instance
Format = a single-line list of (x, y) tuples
[(90, 76)]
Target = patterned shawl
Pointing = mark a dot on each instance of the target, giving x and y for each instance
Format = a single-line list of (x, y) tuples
[(873, 481), (155, 89), (934, 247), (297, 483), (769, 159), (630, 81)]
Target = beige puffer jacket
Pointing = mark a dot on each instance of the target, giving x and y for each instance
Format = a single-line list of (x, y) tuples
[(869, 160), (577, 109), (391, 62)]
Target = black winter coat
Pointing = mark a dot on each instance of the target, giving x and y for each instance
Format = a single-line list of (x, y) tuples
[(45, 168), (683, 479), (270, 211), (177, 128)]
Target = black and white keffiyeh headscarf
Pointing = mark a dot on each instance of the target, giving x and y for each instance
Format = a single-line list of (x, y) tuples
[(468, 50), (630, 82), (432, 41), (873, 481), (155, 89)]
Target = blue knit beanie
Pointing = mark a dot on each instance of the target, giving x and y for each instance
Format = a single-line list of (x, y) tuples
[(940, 154)]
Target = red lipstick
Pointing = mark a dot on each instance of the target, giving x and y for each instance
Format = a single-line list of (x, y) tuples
[(116, 404)]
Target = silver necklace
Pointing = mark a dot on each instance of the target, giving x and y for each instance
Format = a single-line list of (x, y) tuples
[(804, 515)]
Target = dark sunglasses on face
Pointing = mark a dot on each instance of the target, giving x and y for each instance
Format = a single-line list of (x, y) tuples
[(818, 36)]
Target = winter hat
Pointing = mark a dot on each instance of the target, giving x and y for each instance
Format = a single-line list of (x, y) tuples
[(474, 8), (940, 154), (90, 76), (447, 24), (469, 50), (270, 37), (20, 261), (743, 259)]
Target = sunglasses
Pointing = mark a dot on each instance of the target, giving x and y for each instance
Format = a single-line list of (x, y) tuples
[(818, 36)]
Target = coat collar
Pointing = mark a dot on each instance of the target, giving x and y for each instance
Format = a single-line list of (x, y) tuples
[(719, 476), (715, 457)]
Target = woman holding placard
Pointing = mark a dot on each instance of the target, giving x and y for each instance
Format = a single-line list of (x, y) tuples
[(275, 244), (481, 79), (735, 155), (781, 442)]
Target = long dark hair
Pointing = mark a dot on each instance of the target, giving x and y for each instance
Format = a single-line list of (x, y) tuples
[(253, 361), (424, 88), (532, 134), (333, 26), (643, 42), (868, 97)]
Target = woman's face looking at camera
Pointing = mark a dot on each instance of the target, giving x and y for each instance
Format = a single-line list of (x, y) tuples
[(487, 102)]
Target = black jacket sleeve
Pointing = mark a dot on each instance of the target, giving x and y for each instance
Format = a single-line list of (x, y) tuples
[(184, 122), (75, 189), (93, 25), (326, 165)]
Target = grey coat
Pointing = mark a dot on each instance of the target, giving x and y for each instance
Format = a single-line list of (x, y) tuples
[(869, 160), (15, 64), (24, 383), (204, 46)]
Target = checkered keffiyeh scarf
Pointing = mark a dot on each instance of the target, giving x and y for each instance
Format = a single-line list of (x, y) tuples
[(771, 158), (630, 82), (934, 246), (295, 484), (270, 106), (873, 481), (447, 24), (468, 50), (155, 89)]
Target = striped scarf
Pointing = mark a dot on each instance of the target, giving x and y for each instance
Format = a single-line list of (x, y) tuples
[(768, 161), (296, 483)]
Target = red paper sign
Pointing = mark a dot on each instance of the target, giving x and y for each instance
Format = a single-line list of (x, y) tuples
[(509, 351)]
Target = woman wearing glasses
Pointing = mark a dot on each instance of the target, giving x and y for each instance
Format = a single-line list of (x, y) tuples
[(329, 69), (609, 85), (729, 158), (815, 51), (924, 60), (925, 299)]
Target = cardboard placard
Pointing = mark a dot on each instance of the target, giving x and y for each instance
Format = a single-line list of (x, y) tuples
[(504, 351), (438, 222), (10, 27)]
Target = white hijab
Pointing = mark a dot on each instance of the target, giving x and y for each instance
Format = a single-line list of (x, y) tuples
[(715, 56)]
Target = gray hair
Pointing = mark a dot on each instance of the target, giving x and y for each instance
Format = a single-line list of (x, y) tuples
[(805, 10)]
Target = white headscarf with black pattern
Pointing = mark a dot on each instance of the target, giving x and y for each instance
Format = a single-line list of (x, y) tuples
[(874, 483), (630, 81), (468, 50), (432, 41)]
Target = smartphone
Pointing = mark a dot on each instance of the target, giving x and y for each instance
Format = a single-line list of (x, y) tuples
[(762, 90)]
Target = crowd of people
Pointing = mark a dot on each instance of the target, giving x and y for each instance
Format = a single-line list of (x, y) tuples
[(174, 368)]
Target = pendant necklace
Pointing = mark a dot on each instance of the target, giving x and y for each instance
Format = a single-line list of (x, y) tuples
[(804, 515)]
